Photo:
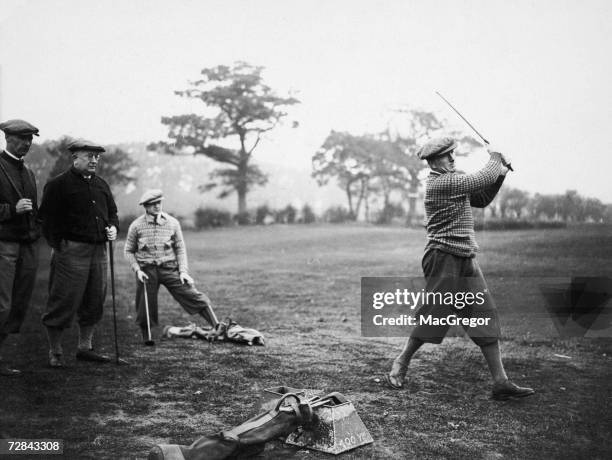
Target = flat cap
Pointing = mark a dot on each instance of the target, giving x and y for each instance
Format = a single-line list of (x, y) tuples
[(82, 144), (18, 127), (436, 147), (151, 196)]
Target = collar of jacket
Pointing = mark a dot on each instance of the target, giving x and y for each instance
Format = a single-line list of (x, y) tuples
[(8, 156), (79, 174)]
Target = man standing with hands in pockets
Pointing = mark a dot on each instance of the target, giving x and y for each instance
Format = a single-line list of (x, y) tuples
[(79, 216)]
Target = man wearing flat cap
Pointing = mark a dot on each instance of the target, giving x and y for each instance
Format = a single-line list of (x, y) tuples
[(19, 230), (450, 266), (79, 216), (155, 250)]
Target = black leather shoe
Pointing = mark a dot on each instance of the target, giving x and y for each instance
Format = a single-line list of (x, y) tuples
[(92, 356), (508, 390)]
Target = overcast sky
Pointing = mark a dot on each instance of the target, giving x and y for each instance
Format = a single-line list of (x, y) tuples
[(534, 76)]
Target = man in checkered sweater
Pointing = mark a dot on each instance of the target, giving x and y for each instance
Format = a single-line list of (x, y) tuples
[(155, 250), (450, 266)]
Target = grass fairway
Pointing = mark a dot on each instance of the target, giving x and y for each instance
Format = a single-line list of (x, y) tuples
[(300, 286)]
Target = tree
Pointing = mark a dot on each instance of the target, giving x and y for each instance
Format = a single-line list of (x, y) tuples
[(390, 173), (414, 128), (607, 214), (115, 166), (308, 215), (594, 209), (350, 159), (513, 200), (239, 105), (570, 206), (543, 205), (380, 163)]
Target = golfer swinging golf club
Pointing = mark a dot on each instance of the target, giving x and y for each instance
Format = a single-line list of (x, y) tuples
[(155, 249), (449, 263)]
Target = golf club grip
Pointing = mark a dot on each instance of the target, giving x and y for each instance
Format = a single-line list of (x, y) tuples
[(509, 165)]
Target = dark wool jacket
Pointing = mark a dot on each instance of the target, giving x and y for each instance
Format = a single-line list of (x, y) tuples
[(13, 226), (77, 209)]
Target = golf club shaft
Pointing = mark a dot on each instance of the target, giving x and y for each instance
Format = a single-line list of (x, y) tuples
[(213, 317), (112, 270), (509, 166), (146, 297)]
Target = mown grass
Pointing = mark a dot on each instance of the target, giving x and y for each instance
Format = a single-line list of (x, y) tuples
[(299, 285)]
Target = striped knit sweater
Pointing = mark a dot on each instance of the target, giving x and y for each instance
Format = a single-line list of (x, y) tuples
[(153, 242), (448, 212)]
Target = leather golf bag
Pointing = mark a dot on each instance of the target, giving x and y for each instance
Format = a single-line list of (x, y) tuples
[(245, 440)]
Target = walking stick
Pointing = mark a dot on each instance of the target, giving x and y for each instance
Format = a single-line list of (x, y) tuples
[(112, 270), (149, 341)]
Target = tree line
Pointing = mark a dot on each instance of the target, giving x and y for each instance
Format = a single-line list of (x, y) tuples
[(513, 203), (380, 169)]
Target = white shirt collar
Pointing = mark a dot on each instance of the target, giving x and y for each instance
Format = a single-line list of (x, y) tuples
[(13, 156), (160, 220)]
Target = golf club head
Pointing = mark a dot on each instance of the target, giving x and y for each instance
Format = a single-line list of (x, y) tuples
[(121, 362), (149, 343)]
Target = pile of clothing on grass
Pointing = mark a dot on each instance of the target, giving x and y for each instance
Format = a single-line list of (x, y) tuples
[(226, 330)]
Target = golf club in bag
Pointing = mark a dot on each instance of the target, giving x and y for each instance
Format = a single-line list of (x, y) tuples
[(148, 340)]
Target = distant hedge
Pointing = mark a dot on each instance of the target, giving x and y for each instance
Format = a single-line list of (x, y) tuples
[(512, 224), (337, 215), (211, 218)]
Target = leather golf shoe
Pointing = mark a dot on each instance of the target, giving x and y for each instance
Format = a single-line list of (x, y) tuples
[(508, 390), (92, 356), (6, 371), (56, 360)]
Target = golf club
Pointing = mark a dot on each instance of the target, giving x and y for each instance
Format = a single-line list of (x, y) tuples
[(509, 166), (112, 270), (149, 342)]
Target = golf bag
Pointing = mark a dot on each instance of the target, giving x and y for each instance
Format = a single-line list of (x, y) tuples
[(245, 440)]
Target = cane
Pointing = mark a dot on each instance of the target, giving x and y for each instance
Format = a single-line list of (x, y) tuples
[(149, 341), (112, 270)]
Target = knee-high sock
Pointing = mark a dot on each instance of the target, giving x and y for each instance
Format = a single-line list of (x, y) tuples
[(55, 339), (85, 337)]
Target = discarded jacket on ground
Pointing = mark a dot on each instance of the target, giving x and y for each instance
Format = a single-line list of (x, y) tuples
[(227, 329)]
